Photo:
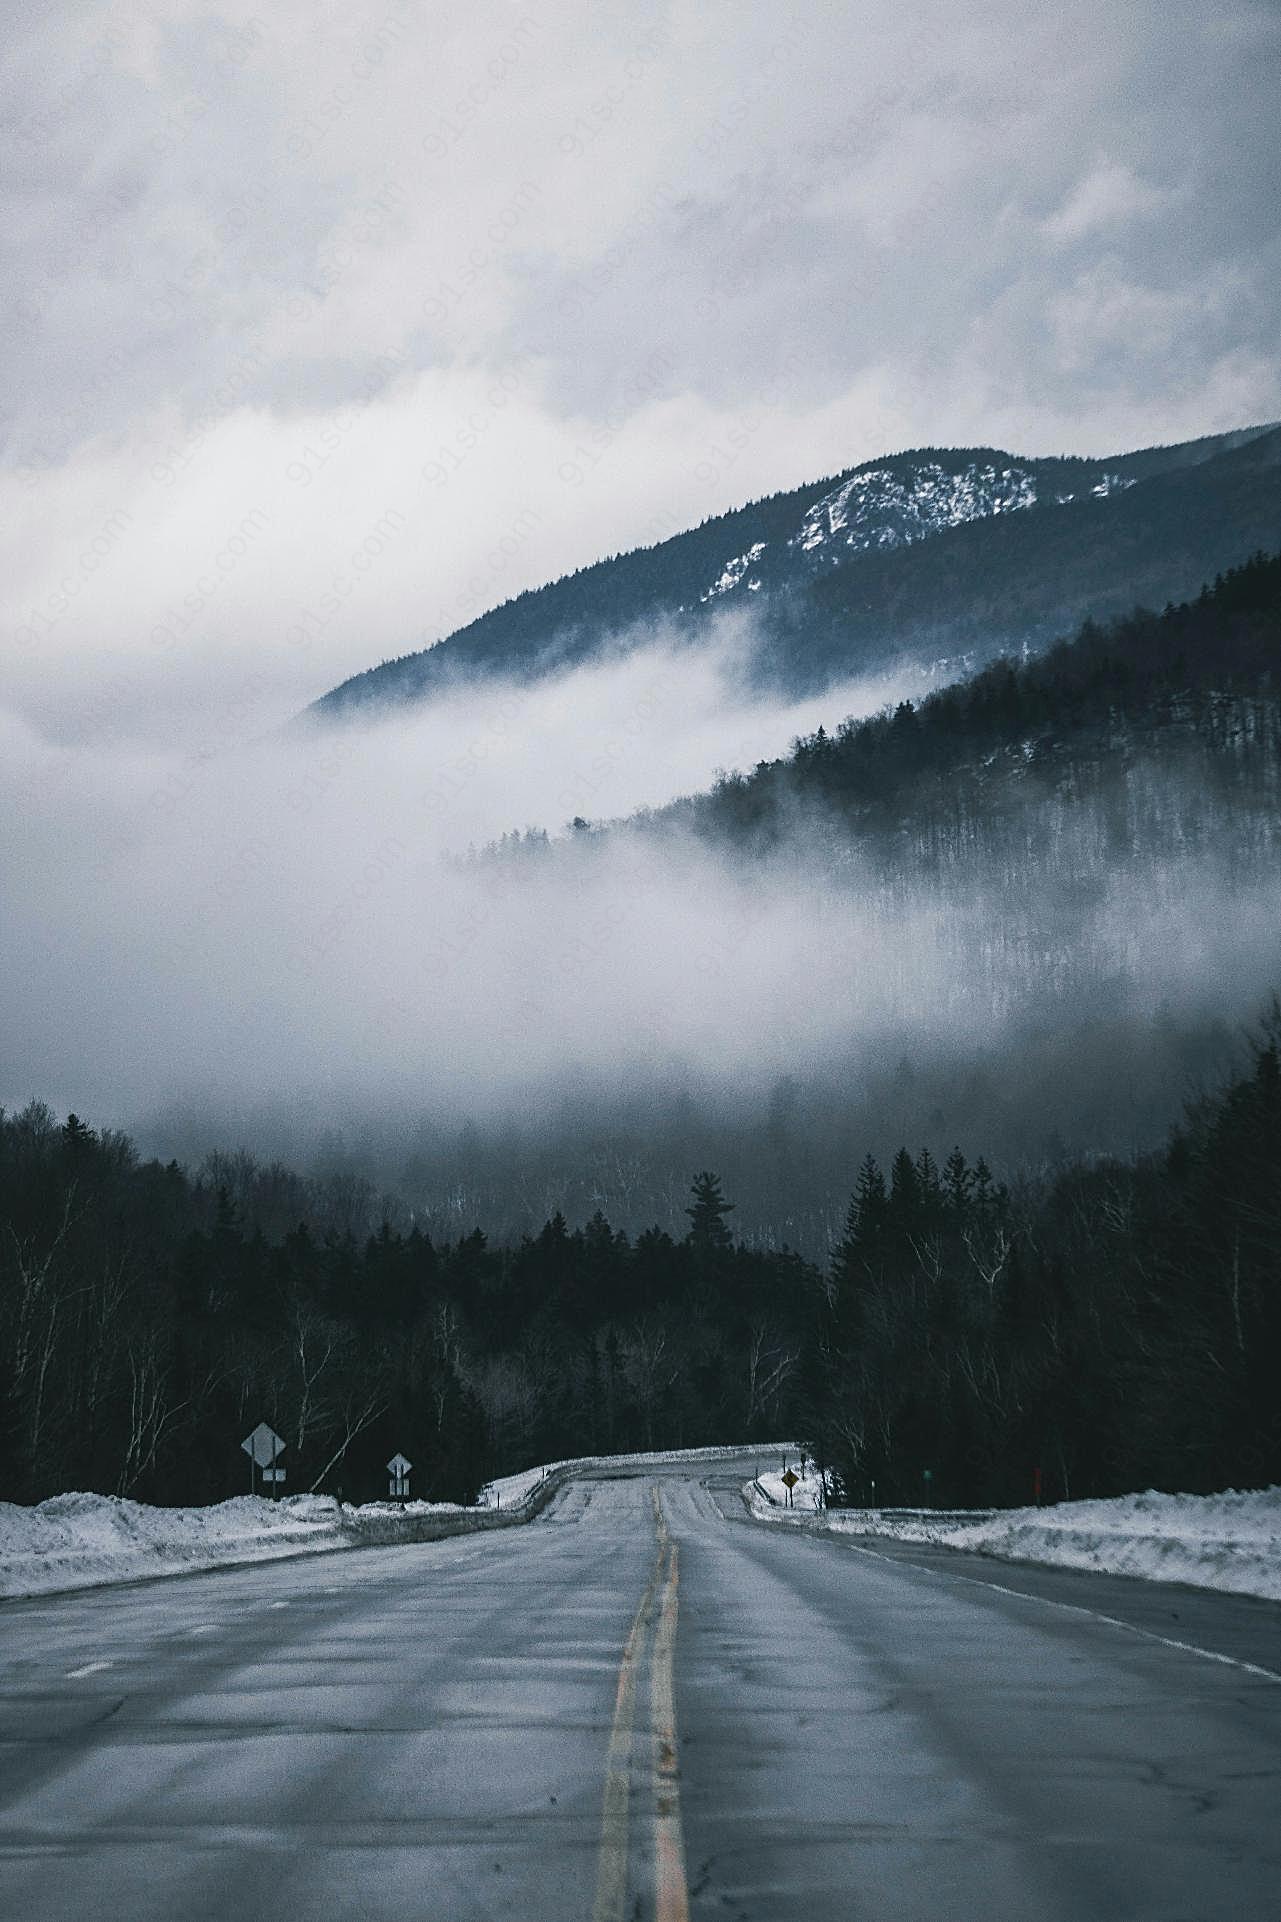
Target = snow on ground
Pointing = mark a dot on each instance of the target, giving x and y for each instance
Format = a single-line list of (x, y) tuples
[(86, 1541), (808, 1494), (1230, 1541), (75, 1541)]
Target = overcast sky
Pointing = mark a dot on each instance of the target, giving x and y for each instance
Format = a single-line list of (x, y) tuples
[(324, 329)]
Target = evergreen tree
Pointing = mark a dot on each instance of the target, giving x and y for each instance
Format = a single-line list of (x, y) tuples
[(928, 1186), (958, 1184), (905, 1192), (708, 1233), (77, 1139), (868, 1205)]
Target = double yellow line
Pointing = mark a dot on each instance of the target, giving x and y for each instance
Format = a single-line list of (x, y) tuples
[(646, 1760)]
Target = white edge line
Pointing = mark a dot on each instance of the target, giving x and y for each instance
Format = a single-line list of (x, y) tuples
[(1073, 1608), (90, 1668)]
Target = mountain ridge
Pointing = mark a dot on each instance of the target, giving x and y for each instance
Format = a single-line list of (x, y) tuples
[(846, 573)]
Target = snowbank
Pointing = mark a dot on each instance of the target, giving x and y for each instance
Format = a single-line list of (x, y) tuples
[(807, 1496), (1230, 1541), (86, 1541), (75, 1541)]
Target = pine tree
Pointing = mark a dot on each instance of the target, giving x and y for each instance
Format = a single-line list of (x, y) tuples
[(905, 1191), (958, 1184), (851, 1265), (77, 1138), (869, 1202), (985, 1194), (928, 1187), (708, 1233), (864, 1221)]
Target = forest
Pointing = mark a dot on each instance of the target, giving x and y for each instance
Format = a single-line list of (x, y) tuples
[(1113, 1327), (1194, 690)]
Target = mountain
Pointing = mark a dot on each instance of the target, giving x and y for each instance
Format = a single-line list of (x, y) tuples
[(942, 557)]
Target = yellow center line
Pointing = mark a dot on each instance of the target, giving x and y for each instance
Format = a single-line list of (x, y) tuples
[(671, 1898), (611, 1873), (671, 1891)]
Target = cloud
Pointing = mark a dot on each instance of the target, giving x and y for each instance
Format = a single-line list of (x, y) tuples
[(717, 255), (1105, 198), (291, 914)]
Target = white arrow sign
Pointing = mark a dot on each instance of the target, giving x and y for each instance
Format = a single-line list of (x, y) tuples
[(264, 1445), (399, 1467)]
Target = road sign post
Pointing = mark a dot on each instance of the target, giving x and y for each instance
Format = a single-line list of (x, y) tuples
[(398, 1469), (264, 1449), (789, 1480)]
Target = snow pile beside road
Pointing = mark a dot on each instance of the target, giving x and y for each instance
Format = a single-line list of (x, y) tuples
[(75, 1541), (807, 1495), (1230, 1541)]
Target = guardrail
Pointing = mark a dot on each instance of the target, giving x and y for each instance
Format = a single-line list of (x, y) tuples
[(382, 1530), (958, 1515)]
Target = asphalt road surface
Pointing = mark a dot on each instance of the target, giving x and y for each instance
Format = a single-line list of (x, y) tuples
[(642, 1706)]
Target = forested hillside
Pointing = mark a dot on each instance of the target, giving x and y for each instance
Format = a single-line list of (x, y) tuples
[(1116, 1327), (1196, 688), (1078, 855)]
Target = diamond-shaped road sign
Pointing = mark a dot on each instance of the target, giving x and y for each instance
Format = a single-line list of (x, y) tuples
[(264, 1445), (789, 1478), (398, 1467)]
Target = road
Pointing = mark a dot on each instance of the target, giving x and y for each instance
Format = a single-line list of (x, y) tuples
[(643, 1705)]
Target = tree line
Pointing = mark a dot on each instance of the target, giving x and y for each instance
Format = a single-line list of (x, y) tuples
[(1113, 1326), (1192, 689)]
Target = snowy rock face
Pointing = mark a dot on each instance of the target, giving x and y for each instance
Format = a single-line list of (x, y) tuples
[(734, 571), (1108, 484), (883, 509)]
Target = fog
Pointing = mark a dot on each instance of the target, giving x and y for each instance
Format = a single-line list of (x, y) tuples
[(309, 947), (290, 919)]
